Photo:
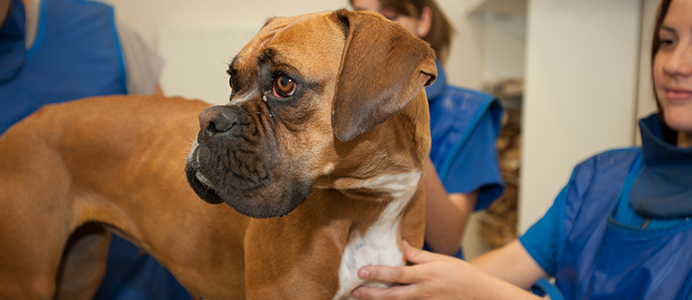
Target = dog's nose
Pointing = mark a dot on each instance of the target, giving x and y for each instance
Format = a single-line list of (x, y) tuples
[(216, 119)]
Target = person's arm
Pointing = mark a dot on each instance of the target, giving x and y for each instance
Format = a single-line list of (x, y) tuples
[(446, 215), (511, 263), (435, 276), (471, 181)]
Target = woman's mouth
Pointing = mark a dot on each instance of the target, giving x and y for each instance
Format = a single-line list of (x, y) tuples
[(678, 94)]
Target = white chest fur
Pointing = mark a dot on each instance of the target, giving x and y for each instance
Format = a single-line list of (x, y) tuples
[(379, 244)]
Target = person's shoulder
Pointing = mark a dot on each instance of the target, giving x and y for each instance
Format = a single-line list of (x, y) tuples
[(603, 172), (464, 102), (613, 158), (79, 12), (92, 3), (465, 94)]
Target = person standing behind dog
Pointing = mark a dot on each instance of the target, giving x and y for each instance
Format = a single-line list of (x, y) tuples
[(620, 229), (54, 51), (463, 172)]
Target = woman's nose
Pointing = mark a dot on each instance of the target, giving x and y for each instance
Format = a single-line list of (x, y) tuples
[(680, 62)]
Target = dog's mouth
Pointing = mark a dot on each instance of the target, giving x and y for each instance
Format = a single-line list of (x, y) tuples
[(269, 197), (232, 162), (251, 204), (202, 187)]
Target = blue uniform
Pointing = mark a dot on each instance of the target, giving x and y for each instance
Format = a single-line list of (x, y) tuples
[(464, 126), (68, 59), (621, 228), (76, 54)]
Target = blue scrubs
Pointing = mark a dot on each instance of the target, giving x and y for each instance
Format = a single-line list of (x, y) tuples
[(465, 125), (68, 60), (621, 228), (76, 54)]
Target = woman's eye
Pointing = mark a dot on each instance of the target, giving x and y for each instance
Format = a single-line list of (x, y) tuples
[(283, 87), (389, 14), (392, 17), (667, 42), (667, 38)]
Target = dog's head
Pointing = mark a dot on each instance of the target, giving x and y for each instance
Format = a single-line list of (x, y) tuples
[(305, 90)]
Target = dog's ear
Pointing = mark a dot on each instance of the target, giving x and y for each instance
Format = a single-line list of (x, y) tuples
[(383, 67)]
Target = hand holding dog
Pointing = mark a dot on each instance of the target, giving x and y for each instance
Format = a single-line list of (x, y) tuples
[(436, 276)]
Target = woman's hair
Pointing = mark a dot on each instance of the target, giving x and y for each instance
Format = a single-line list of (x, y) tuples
[(440, 34), (656, 44), (661, 15)]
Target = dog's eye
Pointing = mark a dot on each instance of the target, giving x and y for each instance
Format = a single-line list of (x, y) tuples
[(283, 87)]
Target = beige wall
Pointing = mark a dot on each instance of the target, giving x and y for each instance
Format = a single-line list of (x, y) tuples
[(581, 88)]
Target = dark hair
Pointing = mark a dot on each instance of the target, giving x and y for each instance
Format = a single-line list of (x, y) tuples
[(440, 35), (660, 16), (656, 44)]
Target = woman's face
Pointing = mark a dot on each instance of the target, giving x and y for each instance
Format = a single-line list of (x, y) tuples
[(672, 69), (408, 22)]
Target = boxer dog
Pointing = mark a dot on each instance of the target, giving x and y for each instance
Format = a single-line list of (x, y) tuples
[(319, 152)]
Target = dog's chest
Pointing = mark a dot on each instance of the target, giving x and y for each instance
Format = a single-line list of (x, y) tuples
[(379, 244)]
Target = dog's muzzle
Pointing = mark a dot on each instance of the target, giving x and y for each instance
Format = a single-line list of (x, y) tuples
[(233, 162)]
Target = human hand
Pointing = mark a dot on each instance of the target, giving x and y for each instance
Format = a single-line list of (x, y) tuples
[(435, 276), (432, 276)]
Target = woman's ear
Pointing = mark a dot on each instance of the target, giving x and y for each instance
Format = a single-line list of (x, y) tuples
[(424, 23)]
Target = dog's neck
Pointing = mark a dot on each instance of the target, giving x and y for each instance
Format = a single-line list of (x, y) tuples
[(379, 244), (378, 160), (339, 234)]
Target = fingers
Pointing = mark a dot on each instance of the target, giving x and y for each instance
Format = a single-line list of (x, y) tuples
[(388, 274), (409, 276), (405, 275), (416, 256), (426, 279), (397, 292)]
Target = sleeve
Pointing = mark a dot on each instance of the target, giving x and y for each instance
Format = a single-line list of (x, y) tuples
[(142, 64), (476, 166), (543, 239)]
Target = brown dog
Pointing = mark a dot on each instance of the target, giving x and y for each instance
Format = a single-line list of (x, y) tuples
[(327, 127)]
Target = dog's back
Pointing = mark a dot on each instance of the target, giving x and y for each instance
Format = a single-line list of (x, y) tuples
[(108, 163)]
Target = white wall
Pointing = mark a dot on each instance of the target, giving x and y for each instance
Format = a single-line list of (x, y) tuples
[(465, 64), (581, 79)]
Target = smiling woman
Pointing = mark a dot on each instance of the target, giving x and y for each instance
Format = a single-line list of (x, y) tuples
[(672, 70)]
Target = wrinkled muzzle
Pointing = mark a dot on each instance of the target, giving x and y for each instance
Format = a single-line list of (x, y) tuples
[(232, 162)]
